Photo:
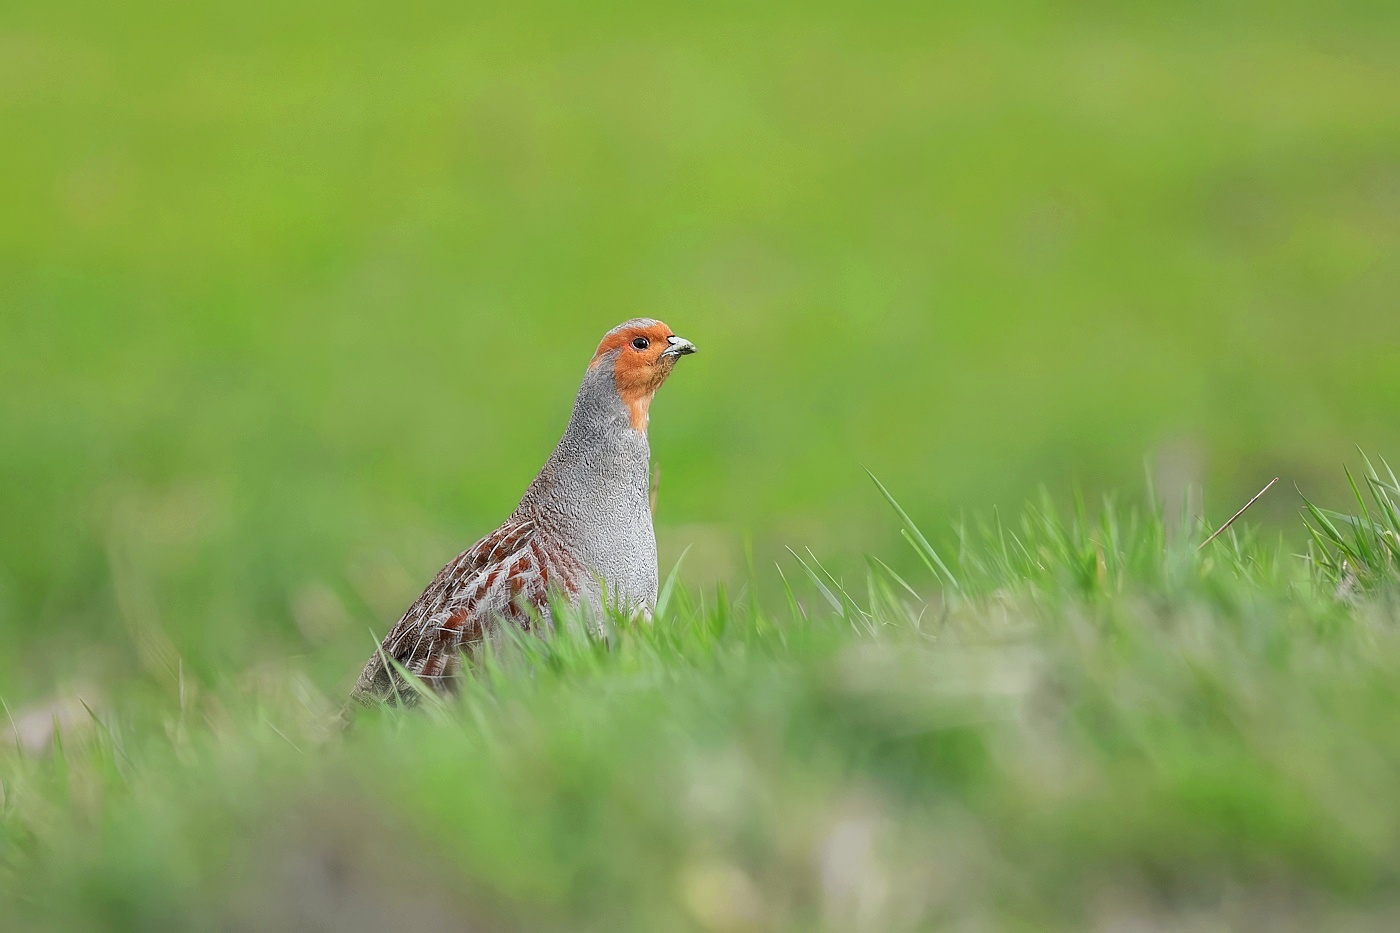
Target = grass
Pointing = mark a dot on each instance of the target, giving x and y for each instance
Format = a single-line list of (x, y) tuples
[(1361, 551), (1101, 724)]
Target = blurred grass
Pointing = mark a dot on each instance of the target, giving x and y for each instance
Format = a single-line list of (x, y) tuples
[(1175, 739), (294, 297)]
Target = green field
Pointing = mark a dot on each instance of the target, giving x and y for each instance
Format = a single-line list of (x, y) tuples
[(1097, 725), (293, 302)]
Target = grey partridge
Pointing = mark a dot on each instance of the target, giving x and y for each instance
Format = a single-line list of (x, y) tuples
[(581, 537)]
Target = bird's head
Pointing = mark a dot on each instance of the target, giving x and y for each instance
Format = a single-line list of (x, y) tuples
[(641, 354)]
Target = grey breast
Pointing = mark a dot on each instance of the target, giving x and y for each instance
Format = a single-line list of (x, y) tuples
[(593, 494)]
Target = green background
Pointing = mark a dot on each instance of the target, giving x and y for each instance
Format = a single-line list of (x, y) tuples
[(294, 298)]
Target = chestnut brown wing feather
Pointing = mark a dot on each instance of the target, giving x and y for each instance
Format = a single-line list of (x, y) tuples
[(503, 577)]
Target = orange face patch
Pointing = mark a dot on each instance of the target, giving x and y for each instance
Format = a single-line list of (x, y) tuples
[(639, 368)]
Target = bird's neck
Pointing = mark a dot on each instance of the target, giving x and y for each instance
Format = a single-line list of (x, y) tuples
[(601, 456), (602, 416)]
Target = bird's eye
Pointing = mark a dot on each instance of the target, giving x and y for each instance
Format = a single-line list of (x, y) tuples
[(641, 343)]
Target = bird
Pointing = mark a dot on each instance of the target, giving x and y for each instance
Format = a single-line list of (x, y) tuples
[(581, 537)]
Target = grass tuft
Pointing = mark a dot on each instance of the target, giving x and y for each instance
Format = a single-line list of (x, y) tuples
[(1361, 552)]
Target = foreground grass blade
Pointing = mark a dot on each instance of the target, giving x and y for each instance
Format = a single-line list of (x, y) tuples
[(916, 537), (663, 600)]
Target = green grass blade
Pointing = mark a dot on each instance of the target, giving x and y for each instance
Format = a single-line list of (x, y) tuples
[(916, 537), (663, 599)]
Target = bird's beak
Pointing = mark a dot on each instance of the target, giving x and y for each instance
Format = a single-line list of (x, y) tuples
[(679, 346)]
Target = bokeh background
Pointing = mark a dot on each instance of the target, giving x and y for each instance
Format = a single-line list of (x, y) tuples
[(294, 297)]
